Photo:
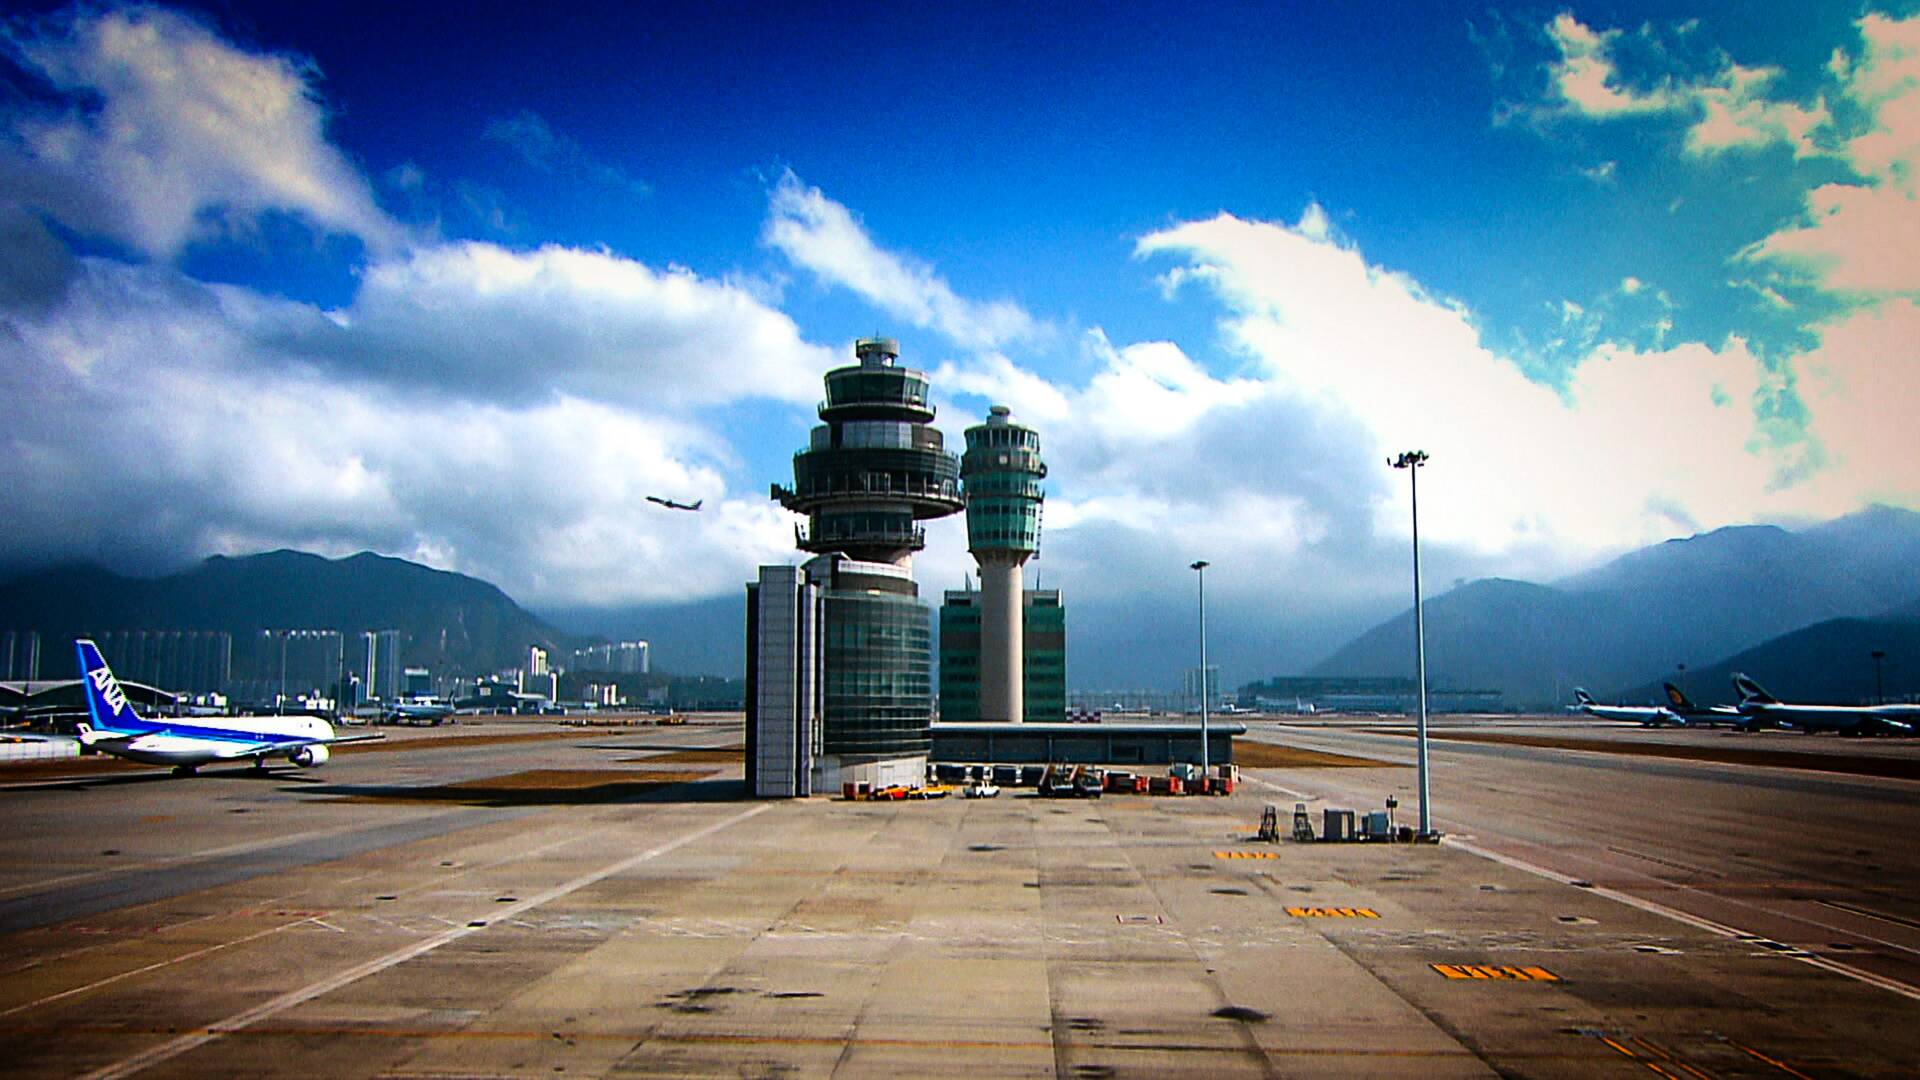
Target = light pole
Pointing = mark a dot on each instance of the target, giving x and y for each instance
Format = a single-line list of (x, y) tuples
[(1199, 567), (1879, 691), (1411, 461)]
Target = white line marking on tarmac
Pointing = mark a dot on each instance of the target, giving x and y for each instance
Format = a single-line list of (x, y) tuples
[(174, 1048), (97, 983), (1717, 929)]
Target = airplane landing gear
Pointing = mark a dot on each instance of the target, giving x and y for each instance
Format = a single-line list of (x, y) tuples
[(185, 770)]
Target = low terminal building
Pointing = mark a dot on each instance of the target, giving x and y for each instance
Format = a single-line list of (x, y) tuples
[(1145, 743)]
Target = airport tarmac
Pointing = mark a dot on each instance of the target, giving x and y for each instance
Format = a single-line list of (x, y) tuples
[(524, 900)]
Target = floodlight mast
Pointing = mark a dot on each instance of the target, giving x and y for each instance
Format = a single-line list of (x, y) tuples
[(1199, 566), (1411, 461)]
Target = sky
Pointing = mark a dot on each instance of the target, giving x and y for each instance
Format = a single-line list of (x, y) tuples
[(465, 286)]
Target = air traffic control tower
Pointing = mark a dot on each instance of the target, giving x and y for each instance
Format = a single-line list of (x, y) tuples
[(875, 467), (1000, 474), (839, 657)]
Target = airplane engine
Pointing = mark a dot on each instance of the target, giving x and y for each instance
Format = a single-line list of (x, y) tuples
[(308, 757)]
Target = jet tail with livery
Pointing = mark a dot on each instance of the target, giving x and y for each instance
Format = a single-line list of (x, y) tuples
[(1760, 709), (114, 727)]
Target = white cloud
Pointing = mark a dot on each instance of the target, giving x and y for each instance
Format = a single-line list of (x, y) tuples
[(539, 145), (166, 128), (825, 238), (1863, 238), (1731, 105), (202, 437), (476, 319)]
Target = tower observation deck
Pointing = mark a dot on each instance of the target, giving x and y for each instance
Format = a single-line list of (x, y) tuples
[(1001, 472), (875, 467)]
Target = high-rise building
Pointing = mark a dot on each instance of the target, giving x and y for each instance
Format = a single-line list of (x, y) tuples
[(1192, 686), (379, 666), (183, 661), (20, 654), (1001, 474), (613, 657), (839, 657), (1043, 662), (537, 660), (293, 663)]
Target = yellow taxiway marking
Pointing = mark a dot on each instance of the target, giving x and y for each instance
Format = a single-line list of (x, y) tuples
[(1246, 854), (1333, 913), (1495, 971)]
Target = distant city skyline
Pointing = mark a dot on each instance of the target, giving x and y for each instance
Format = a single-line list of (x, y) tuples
[(467, 290)]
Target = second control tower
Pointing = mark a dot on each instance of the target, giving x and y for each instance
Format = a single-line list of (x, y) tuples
[(1000, 475)]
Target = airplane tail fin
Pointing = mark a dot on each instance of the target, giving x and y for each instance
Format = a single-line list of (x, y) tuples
[(107, 704), (1679, 700), (696, 504), (1581, 696), (1751, 692)]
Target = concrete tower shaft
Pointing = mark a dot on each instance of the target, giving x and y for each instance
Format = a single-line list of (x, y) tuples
[(875, 466), (1001, 473)]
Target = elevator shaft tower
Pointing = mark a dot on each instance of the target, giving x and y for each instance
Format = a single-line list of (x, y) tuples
[(1000, 474)]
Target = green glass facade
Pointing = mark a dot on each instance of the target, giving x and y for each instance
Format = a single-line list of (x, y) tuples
[(1043, 660), (1003, 470), (878, 675)]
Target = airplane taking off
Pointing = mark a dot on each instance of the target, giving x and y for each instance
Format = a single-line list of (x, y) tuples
[(185, 743), (1760, 709), (1644, 715), (671, 505)]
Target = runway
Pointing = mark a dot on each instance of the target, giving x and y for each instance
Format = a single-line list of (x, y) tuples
[(476, 902)]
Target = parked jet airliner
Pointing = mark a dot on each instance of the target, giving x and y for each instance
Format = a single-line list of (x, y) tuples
[(186, 743), (1761, 709), (1645, 715)]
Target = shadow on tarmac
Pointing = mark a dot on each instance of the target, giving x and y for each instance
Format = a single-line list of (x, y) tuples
[(552, 788)]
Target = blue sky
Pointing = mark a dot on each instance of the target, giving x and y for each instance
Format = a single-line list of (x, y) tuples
[(464, 286)]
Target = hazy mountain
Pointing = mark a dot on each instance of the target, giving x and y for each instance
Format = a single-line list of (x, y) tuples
[(1829, 662), (448, 621), (700, 637), (1635, 619)]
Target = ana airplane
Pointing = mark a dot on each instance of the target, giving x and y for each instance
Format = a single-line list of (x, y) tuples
[(186, 743), (671, 505), (1760, 709), (1644, 715)]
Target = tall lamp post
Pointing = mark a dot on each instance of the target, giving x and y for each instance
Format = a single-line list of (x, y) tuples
[(1411, 461), (1879, 690), (1199, 567)]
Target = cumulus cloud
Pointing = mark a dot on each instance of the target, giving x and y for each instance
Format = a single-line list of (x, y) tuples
[(1730, 107), (1862, 237), (477, 319), (204, 436), (164, 131), (824, 237)]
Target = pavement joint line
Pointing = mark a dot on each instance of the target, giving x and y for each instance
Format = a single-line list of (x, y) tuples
[(1717, 929), (175, 1047), (1882, 982), (155, 966)]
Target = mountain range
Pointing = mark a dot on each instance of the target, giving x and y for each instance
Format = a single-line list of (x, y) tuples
[(1800, 610), (1702, 601), (447, 621)]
